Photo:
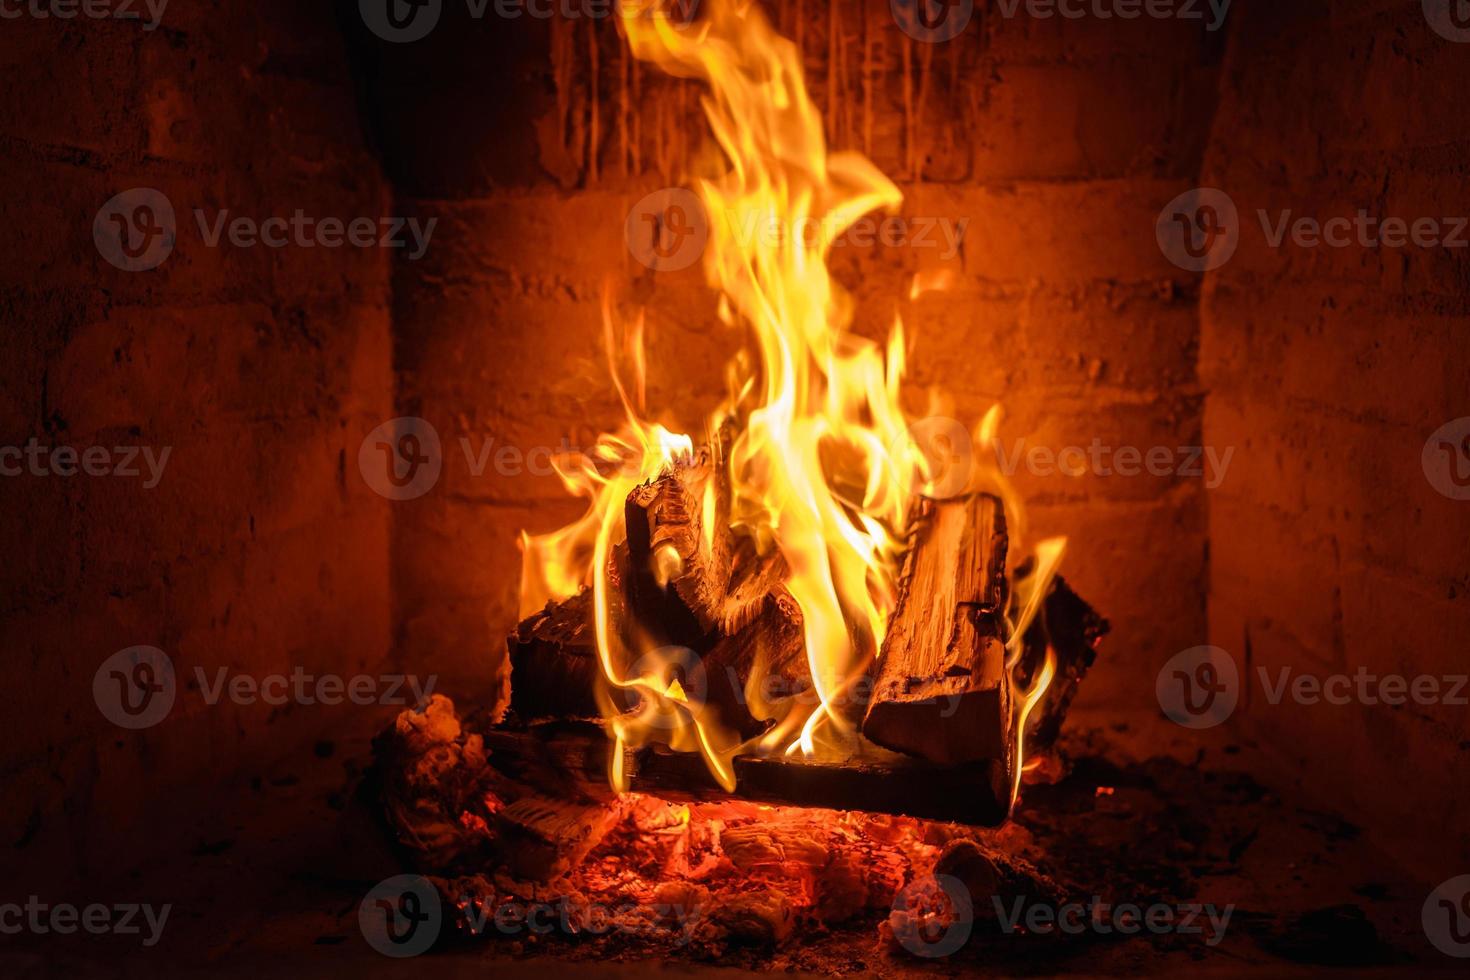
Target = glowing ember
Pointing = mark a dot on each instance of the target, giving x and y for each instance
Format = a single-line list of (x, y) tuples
[(823, 467)]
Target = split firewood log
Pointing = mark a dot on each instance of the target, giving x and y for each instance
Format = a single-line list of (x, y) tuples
[(689, 577), (680, 580), (941, 690)]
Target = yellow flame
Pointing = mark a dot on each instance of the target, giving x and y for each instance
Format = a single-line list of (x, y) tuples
[(1030, 700), (823, 469)]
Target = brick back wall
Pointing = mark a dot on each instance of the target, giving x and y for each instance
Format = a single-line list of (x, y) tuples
[(260, 550), (1057, 141), (1328, 369)]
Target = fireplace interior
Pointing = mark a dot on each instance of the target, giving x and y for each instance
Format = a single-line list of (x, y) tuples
[(1187, 635)]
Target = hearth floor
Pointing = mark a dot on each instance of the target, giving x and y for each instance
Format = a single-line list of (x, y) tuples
[(271, 884)]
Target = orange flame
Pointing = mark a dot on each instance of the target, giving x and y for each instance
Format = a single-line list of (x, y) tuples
[(823, 469)]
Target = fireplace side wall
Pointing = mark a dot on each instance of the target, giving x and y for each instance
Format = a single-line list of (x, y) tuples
[(1327, 370), (1055, 142), (260, 550)]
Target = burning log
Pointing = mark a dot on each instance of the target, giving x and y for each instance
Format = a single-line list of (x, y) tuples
[(575, 757), (673, 584), (1073, 630), (553, 662), (942, 691), (555, 667), (692, 583), (689, 578)]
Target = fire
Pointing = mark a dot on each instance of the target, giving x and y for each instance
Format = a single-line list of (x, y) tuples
[(823, 468)]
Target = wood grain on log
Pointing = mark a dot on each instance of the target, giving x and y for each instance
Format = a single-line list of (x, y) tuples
[(941, 690)]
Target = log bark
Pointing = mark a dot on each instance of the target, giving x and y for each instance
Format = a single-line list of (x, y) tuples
[(941, 691)]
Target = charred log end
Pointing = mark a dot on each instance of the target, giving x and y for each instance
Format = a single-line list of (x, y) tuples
[(949, 722), (554, 667), (662, 519)]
